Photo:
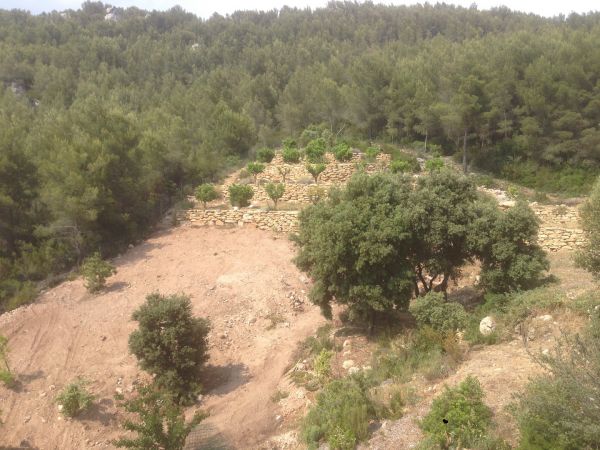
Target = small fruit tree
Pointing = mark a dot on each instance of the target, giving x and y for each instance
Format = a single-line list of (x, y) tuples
[(255, 168), (275, 192), (315, 170), (206, 193)]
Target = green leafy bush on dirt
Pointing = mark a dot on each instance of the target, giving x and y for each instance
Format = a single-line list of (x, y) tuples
[(74, 398), (432, 309), (95, 271)]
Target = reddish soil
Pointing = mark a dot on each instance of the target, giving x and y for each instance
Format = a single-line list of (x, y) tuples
[(239, 278)]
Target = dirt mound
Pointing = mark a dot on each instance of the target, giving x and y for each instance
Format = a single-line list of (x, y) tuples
[(242, 279)]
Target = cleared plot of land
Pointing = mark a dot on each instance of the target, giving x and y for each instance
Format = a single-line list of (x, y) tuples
[(239, 278)]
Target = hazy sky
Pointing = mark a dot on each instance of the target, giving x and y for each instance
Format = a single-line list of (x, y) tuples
[(207, 8)]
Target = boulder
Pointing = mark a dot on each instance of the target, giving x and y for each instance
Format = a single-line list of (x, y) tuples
[(487, 325), (347, 364)]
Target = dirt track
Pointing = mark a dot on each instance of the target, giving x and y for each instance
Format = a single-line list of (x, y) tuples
[(238, 278)]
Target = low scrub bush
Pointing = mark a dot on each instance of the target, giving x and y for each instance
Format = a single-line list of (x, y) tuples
[(275, 191), (255, 169), (315, 150), (458, 417), (289, 143), (95, 271), (340, 416), (6, 376), (433, 310), (240, 194), (561, 409), (434, 164), (291, 155), (74, 398), (371, 153), (265, 155), (322, 364), (316, 194), (342, 152)]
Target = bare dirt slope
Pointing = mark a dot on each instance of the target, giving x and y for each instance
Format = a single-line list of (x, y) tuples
[(239, 278)]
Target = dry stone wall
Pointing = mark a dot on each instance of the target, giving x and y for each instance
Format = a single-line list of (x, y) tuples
[(281, 221)]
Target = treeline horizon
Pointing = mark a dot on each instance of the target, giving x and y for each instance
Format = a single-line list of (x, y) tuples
[(106, 123)]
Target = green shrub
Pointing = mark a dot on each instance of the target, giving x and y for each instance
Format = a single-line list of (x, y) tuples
[(255, 168), (322, 364), (371, 153), (6, 376), (161, 421), (514, 193), (289, 143), (171, 343), (291, 155), (206, 193), (340, 416), (315, 150), (434, 164), (74, 398), (315, 170), (432, 309), (15, 293), (240, 194), (95, 271), (265, 155), (275, 191), (561, 408), (468, 418), (284, 172), (321, 341), (400, 166), (342, 152), (589, 256)]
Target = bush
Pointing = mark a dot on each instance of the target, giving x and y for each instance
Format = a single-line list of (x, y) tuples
[(265, 155), (467, 417), (371, 153), (560, 409), (433, 310), (240, 195), (171, 343), (74, 398), (340, 417), (342, 152), (206, 193), (291, 155), (322, 364), (434, 164), (6, 376), (275, 191), (315, 150), (289, 143), (404, 163), (400, 166), (95, 271), (161, 423)]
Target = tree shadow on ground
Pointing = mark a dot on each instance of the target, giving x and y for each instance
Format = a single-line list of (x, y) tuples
[(23, 379), (99, 412), (206, 437), (221, 380), (24, 445)]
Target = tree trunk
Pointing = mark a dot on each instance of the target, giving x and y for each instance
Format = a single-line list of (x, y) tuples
[(426, 133), (465, 169)]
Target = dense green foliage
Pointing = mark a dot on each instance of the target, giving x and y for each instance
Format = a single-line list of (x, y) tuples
[(443, 316), (6, 376), (560, 409), (394, 239), (265, 155), (340, 417), (74, 398), (206, 193), (315, 150), (240, 194), (171, 343), (342, 152), (112, 121), (255, 169), (589, 256), (458, 417), (95, 271), (161, 422), (275, 191)]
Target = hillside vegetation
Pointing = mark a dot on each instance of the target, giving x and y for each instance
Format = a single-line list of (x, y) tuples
[(115, 117)]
